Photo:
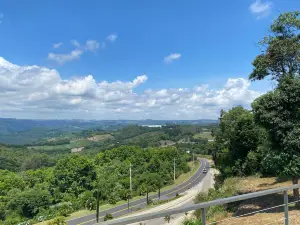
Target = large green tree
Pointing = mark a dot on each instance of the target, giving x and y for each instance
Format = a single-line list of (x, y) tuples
[(74, 174), (279, 113), (280, 49), (237, 136)]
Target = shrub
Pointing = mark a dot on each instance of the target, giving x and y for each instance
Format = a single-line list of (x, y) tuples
[(58, 221), (108, 216)]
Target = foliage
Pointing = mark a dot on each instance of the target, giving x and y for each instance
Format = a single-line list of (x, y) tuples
[(227, 189), (73, 174), (58, 221), (278, 112), (236, 138), (280, 57), (168, 218), (108, 216), (29, 202)]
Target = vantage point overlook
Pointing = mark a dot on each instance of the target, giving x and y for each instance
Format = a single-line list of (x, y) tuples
[(149, 112)]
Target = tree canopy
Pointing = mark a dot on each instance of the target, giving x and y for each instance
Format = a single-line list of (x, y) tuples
[(280, 49)]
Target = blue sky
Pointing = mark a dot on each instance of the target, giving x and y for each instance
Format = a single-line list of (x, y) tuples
[(175, 44)]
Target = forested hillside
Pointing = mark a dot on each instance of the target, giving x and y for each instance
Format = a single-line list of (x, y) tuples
[(49, 179)]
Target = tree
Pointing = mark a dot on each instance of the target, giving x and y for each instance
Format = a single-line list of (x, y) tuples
[(30, 201), (278, 112), (168, 218), (280, 50), (237, 136), (97, 205), (74, 174), (148, 181)]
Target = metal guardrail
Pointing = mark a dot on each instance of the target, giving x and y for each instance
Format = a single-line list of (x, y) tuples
[(203, 206)]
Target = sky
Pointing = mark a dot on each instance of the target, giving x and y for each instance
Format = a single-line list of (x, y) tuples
[(133, 59)]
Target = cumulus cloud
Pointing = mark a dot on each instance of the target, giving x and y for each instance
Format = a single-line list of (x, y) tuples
[(40, 92), (75, 43), (57, 45), (92, 45), (112, 38), (63, 58), (170, 58), (260, 9)]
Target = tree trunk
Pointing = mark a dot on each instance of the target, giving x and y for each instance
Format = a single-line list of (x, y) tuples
[(159, 193), (147, 198), (128, 203), (295, 191), (97, 206)]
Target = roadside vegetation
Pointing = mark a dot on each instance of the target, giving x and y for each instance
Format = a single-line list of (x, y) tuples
[(262, 141), (47, 181)]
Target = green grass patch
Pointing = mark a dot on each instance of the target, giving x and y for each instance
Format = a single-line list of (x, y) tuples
[(204, 135)]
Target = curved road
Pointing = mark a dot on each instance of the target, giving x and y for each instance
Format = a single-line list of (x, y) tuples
[(141, 203)]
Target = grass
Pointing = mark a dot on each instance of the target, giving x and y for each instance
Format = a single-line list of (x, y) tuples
[(204, 135), (234, 186), (79, 213)]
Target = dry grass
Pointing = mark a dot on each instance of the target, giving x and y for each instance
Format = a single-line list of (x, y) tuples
[(272, 216)]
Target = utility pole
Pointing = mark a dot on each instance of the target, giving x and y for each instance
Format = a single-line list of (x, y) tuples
[(130, 188), (130, 179), (174, 169), (193, 157)]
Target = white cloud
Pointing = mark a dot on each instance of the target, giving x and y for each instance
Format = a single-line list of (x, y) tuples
[(75, 43), (39, 92), (57, 45), (92, 45), (112, 38), (260, 9), (170, 58), (62, 58)]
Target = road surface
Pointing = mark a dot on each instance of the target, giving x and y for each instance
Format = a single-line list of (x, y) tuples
[(141, 203)]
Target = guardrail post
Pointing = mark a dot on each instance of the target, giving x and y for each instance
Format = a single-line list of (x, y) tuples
[(286, 208), (203, 214)]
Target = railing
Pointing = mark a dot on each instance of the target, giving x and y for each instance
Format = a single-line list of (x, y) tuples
[(205, 205)]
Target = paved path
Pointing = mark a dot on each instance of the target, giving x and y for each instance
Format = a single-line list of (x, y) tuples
[(141, 203)]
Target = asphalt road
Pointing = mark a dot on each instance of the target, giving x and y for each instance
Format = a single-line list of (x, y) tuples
[(141, 203)]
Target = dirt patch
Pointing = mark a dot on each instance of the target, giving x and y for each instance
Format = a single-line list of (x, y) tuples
[(101, 137), (74, 150), (166, 143)]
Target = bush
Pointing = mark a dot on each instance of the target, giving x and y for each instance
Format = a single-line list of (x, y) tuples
[(65, 209), (58, 221), (108, 216), (228, 189)]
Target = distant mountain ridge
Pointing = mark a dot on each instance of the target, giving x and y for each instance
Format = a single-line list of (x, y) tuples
[(26, 131)]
